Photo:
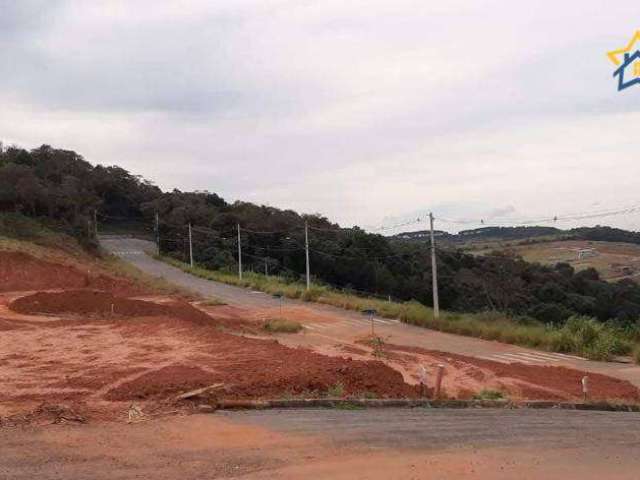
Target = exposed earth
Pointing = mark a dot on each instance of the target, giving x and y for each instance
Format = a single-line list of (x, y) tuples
[(96, 343), (85, 352)]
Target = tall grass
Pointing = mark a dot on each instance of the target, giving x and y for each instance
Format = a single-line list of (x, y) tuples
[(581, 335)]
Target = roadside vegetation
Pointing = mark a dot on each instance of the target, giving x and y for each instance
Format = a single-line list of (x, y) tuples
[(489, 395), (579, 335)]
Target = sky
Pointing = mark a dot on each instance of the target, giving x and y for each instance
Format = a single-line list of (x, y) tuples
[(370, 112)]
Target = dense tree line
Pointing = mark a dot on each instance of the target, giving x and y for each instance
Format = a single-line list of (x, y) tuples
[(60, 185)]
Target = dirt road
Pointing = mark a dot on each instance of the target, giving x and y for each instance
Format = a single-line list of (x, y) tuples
[(328, 326), (369, 444)]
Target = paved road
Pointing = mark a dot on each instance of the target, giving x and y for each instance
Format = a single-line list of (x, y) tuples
[(133, 250), (352, 323), (334, 444), (446, 428)]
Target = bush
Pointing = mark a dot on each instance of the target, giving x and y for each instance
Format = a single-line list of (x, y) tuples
[(489, 395), (594, 340), (282, 325), (337, 391), (313, 294)]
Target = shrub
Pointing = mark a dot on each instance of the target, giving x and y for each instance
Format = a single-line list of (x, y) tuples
[(563, 341), (487, 394), (591, 338), (337, 391), (313, 294), (282, 325)]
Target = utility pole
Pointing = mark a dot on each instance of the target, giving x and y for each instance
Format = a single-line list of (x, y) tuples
[(190, 247), (158, 232), (434, 271), (239, 254), (306, 251), (266, 268), (95, 222)]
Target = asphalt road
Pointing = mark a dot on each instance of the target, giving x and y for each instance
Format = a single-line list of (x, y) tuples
[(421, 428), (334, 444), (133, 250)]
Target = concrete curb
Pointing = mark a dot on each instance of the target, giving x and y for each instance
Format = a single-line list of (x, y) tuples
[(407, 403)]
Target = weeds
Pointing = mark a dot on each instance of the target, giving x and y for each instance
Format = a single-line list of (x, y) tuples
[(377, 344), (593, 339), (337, 391), (487, 394), (212, 302), (282, 325)]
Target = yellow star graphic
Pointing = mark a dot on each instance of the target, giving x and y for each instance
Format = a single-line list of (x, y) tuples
[(613, 55)]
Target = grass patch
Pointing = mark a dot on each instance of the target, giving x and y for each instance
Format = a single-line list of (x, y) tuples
[(212, 302), (581, 336), (282, 325), (336, 391), (488, 394)]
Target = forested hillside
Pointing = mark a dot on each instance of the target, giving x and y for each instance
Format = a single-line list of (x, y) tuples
[(59, 186)]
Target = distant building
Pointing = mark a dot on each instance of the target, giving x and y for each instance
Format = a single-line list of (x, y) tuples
[(586, 253)]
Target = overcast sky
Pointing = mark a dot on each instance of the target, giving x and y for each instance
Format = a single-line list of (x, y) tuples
[(367, 111)]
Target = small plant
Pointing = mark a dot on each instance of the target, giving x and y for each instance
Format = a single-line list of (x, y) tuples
[(213, 302), (487, 394), (377, 344), (337, 391), (282, 325)]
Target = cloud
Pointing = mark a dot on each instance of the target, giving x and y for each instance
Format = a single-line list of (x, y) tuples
[(361, 110)]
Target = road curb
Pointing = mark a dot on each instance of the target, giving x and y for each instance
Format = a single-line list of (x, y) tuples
[(407, 403)]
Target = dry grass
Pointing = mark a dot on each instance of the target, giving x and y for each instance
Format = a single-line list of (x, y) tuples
[(282, 325)]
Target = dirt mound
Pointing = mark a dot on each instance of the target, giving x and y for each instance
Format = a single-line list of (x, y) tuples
[(101, 304), (21, 271), (252, 368), (533, 382)]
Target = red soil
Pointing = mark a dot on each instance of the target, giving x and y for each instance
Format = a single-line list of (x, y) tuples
[(255, 368), (98, 304), (153, 351), (533, 382), (20, 271)]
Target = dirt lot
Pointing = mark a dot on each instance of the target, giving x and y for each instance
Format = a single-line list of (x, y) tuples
[(96, 346)]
